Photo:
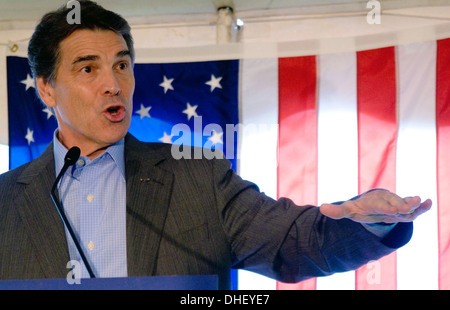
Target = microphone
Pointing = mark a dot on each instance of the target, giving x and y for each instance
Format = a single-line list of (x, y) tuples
[(71, 157)]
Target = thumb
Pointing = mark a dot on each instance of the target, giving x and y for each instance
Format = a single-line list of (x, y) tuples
[(333, 211)]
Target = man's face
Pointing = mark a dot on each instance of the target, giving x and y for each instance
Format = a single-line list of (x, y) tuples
[(93, 90)]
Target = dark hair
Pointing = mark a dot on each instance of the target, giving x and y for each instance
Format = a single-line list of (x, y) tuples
[(43, 48)]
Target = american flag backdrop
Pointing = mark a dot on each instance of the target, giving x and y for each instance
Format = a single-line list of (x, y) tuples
[(316, 129)]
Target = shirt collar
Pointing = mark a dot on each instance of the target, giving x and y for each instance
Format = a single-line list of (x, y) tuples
[(116, 151)]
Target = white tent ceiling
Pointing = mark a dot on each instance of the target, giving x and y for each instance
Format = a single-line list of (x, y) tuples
[(192, 22), (31, 10), (27, 9)]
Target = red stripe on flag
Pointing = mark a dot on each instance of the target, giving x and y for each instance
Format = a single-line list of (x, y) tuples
[(443, 163), (377, 132), (297, 168)]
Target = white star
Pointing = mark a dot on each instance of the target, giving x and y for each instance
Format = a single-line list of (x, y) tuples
[(28, 82), (166, 138), (29, 136), (143, 111), (48, 111), (216, 138), (190, 111), (214, 82), (167, 84)]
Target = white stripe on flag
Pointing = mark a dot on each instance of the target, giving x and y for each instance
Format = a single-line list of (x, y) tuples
[(259, 139), (416, 161), (337, 141)]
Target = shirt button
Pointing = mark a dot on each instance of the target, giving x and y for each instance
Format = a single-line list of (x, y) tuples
[(91, 245), (90, 197), (80, 162)]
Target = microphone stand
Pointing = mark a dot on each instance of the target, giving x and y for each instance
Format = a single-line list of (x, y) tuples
[(71, 157)]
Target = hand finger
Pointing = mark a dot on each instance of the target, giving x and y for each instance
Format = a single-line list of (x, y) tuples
[(381, 202), (423, 207), (397, 205), (393, 204), (334, 211), (415, 212), (412, 203)]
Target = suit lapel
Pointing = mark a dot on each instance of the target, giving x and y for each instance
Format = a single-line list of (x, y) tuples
[(40, 216), (149, 190)]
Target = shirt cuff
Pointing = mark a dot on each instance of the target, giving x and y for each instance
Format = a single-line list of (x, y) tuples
[(379, 230)]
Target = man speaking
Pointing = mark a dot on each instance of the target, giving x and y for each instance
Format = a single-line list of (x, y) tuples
[(132, 209)]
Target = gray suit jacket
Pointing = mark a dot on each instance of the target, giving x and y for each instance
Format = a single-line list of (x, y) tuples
[(185, 216)]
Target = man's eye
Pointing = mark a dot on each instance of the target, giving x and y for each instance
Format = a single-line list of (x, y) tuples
[(123, 66), (86, 69)]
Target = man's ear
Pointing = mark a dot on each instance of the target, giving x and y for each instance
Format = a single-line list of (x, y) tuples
[(46, 92)]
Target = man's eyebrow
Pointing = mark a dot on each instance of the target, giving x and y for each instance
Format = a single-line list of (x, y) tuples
[(120, 54), (85, 58), (123, 53)]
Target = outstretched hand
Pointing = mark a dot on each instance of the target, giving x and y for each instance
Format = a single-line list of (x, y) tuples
[(377, 206)]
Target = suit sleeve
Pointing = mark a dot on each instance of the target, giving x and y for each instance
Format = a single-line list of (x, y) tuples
[(291, 243)]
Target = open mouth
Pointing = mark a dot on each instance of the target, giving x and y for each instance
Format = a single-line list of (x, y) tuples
[(113, 110), (115, 113)]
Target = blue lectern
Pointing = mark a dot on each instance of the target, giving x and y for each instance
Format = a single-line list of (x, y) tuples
[(129, 283)]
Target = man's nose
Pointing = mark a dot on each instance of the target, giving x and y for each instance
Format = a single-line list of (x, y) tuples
[(111, 86)]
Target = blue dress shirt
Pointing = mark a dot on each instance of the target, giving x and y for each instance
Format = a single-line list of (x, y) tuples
[(93, 196)]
